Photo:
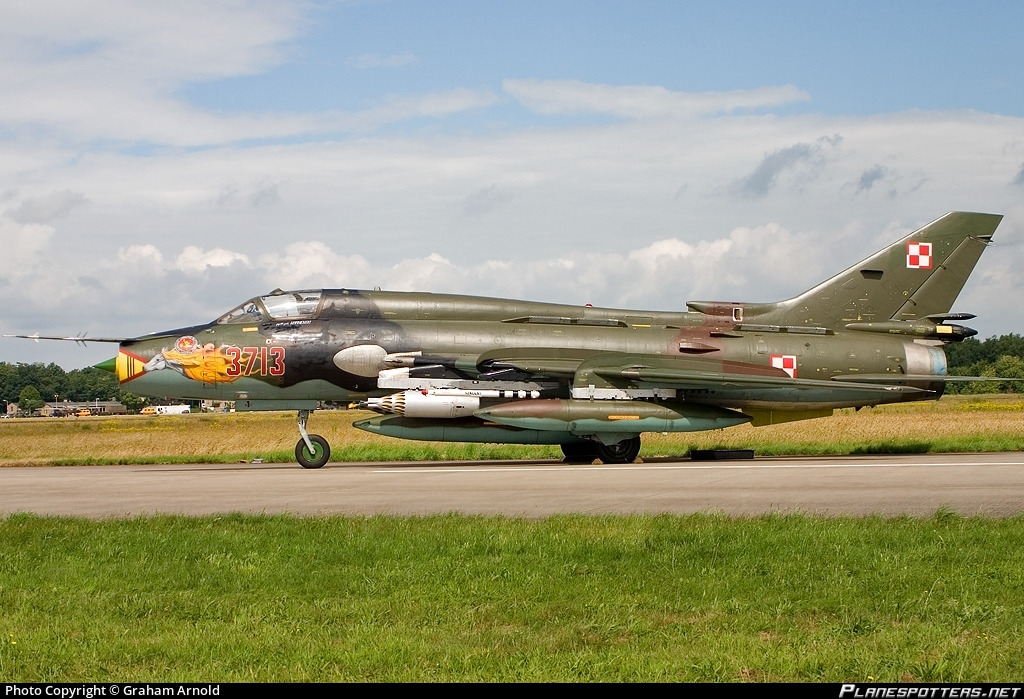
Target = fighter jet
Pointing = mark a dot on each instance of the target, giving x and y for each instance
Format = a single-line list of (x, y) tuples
[(473, 369)]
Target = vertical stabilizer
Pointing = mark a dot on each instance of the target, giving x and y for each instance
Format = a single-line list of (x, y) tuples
[(917, 276)]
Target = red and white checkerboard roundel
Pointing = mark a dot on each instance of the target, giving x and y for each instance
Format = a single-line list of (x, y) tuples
[(786, 362), (919, 255)]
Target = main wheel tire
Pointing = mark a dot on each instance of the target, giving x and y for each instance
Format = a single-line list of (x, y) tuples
[(579, 452), (624, 452), (321, 452)]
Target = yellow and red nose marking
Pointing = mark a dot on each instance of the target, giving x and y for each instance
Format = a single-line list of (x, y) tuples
[(126, 365), (129, 366)]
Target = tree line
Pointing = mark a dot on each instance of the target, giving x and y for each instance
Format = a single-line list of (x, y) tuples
[(1001, 356), (49, 382)]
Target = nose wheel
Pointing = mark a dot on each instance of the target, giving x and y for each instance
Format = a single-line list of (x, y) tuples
[(312, 451), (313, 455)]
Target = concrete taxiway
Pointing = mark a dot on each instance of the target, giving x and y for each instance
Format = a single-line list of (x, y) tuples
[(916, 485)]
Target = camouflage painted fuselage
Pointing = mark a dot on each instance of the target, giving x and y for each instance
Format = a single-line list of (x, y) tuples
[(466, 368), (335, 351)]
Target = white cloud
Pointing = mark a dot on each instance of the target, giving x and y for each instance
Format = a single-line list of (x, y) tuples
[(195, 260), (435, 104), (559, 214), (312, 264), (642, 101), (110, 69), (135, 256), (48, 207), (24, 245), (114, 70), (142, 41), (256, 195)]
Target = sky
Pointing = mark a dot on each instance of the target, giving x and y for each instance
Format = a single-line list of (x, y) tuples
[(162, 162)]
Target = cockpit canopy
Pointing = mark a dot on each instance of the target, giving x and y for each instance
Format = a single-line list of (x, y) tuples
[(275, 306)]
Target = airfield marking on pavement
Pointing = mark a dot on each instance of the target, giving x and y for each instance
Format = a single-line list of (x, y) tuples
[(684, 467)]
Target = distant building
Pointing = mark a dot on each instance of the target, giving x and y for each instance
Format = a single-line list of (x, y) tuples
[(72, 408), (217, 406)]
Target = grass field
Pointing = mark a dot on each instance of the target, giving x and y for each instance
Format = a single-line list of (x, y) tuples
[(571, 598), (954, 424), (483, 599)]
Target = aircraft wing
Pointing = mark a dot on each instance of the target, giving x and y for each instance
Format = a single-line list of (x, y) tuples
[(684, 373), (704, 374), (698, 380)]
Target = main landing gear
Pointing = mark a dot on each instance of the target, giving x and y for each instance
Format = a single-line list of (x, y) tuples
[(624, 452), (312, 451)]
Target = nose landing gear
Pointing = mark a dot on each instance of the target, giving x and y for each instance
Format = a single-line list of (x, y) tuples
[(312, 451)]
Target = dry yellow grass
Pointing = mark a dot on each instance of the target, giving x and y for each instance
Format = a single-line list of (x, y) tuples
[(964, 423), (963, 420), (126, 437)]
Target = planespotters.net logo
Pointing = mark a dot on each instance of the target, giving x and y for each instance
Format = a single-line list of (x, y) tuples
[(873, 691)]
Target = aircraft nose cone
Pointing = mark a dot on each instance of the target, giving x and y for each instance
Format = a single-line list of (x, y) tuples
[(108, 365)]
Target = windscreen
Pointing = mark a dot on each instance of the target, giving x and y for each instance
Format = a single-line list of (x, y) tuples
[(293, 304), (248, 312)]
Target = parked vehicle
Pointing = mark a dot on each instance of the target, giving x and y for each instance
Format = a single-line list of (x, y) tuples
[(166, 410)]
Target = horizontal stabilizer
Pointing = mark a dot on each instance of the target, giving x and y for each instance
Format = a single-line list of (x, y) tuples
[(902, 379)]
